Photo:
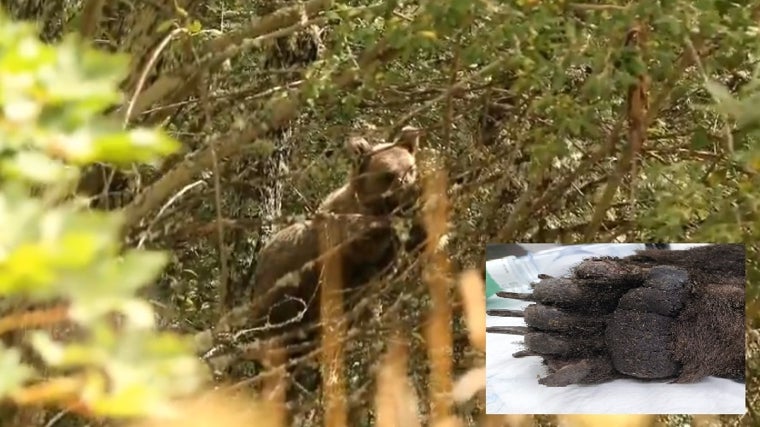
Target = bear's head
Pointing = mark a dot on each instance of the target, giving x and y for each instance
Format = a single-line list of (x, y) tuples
[(384, 176)]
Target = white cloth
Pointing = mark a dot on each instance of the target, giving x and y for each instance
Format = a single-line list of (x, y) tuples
[(511, 383)]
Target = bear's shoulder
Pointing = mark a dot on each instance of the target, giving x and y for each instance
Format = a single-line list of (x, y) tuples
[(341, 201)]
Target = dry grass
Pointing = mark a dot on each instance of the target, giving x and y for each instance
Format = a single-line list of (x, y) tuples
[(437, 276), (395, 399), (275, 386), (218, 410), (474, 301), (331, 306)]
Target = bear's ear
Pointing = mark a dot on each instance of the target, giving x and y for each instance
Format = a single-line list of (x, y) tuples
[(409, 138), (358, 146)]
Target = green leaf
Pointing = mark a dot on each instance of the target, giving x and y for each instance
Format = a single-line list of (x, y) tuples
[(27, 269), (719, 92), (111, 285), (195, 27), (141, 145)]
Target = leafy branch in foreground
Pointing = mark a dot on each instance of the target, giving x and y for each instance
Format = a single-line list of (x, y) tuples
[(62, 267)]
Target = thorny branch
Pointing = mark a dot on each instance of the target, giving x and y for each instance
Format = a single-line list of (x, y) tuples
[(217, 50), (525, 209), (637, 104)]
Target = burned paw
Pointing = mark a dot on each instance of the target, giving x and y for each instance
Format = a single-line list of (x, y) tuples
[(566, 325), (609, 319), (640, 330)]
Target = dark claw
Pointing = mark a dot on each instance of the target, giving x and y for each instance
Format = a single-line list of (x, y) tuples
[(505, 313), (511, 330), (525, 353), (516, 295)]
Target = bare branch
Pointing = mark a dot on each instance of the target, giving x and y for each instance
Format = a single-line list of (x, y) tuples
[(273, 22), (281, 110)]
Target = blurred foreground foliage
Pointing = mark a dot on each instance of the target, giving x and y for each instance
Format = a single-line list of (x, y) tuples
[(62, 263)]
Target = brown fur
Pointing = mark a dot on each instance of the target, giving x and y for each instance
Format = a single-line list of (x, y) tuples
[(708, 336), (384, 177), (365, 250)]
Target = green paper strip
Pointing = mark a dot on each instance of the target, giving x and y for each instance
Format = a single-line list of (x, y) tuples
[(491, 286)]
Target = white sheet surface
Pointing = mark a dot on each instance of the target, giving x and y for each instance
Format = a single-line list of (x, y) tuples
[(511, 383)]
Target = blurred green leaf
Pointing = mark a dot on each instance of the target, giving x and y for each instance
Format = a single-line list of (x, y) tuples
[(52, 98), (38, 168)]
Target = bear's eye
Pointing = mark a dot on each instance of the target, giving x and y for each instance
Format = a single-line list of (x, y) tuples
[(387, 178)]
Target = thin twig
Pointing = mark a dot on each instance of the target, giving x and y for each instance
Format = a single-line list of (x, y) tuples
[(596, 7), (458, 86), (636, 112), (144, 75), (223, 267), (705, 77), (280, 110), (33, 318)]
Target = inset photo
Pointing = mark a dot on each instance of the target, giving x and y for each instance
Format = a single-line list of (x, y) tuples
[(615, 328)]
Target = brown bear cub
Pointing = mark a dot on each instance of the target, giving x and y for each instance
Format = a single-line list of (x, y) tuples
[(384, 177), (285, 289)]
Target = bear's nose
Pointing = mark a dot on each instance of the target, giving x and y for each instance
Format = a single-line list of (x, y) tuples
[(410, 177)]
